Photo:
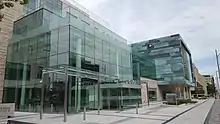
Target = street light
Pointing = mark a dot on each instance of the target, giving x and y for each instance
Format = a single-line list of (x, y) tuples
[(217, 81), (217, 61)]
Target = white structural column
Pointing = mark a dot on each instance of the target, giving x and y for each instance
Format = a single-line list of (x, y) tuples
[(184, 92), (24, 79), (78, 79), (190, 95)]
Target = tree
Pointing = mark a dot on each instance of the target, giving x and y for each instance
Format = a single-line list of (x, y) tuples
[(211, 89), (9, 4)]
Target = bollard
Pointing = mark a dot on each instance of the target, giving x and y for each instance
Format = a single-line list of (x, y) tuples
[(38, 108), (137, 109), (29, 108), (84, 114), (98, 110), (51, 108)]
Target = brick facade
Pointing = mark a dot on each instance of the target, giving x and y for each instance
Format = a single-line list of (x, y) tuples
[(6, 26)]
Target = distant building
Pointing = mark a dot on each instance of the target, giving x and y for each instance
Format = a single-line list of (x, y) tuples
[(6, 26), (209, 79), (201, 84), (170, 63)]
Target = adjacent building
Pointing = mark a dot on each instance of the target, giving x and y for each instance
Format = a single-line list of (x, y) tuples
[(170, 63), (150, 91), (6, 26), (209, 79), (210, 82), (201, 84), (54, 34)]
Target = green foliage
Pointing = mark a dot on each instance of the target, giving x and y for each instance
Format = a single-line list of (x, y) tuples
[(9, 4), (182, 101), (211, 89)]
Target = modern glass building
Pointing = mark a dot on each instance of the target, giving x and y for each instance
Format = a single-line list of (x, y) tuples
[(172, 60), (143, 64), (54, 34)]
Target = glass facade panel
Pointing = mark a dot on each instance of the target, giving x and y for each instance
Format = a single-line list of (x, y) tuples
[(106, 51), (63, 44), (89, 46), (170, 62), (64, 35), (98, 49)]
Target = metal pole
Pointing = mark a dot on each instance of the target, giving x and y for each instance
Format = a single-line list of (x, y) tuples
[(42, 96), (217, 61), (121, 99), (98, 96), (137, 108), (51, 108), (84, 114), (217, 82), (148, 100), (29, 108), (77, 92), (65, 94)]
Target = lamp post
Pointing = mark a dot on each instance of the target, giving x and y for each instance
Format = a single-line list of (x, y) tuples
[(217, 62), (217, 81)]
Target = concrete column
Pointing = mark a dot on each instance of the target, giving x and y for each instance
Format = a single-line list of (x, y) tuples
[(78, 94), (187, 92), (30, 93), (190, 95), (129, 92), (121, 97), (184, 92), (138, 71), (70, 95), (23, 87), (108, 100)]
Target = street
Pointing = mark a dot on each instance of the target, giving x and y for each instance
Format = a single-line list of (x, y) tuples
[(214, 114)]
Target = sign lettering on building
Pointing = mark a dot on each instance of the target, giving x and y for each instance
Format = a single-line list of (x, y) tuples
[(7, 109)]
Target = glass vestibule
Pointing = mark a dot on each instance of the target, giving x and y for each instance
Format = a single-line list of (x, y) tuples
[(83, 89)]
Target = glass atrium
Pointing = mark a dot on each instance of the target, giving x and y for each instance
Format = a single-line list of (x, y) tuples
[(52, 33)]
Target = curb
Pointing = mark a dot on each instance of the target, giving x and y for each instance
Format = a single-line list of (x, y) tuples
[(183, 112)]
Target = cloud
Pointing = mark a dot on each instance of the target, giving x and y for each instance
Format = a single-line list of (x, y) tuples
[(198, 22)]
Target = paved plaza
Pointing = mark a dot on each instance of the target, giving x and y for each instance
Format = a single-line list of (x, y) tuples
[(153, 114)]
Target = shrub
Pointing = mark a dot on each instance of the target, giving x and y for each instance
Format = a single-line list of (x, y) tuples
[(182, 101)]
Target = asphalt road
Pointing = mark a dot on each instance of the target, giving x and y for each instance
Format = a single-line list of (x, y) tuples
[(214, 114)]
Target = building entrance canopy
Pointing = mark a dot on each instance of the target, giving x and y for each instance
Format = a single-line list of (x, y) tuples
[(79, 72), (73, 72)]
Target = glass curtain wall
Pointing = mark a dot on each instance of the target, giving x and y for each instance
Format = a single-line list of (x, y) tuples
[(62, 35), (143, 64)]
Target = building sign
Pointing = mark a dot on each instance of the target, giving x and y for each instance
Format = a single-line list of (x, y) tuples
[(7, 109)]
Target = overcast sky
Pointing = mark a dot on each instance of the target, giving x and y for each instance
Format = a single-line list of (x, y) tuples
[(197, 21)]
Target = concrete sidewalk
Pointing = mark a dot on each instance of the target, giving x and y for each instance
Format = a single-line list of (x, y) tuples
[(154, 114), (214, 114), (195, 116)]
